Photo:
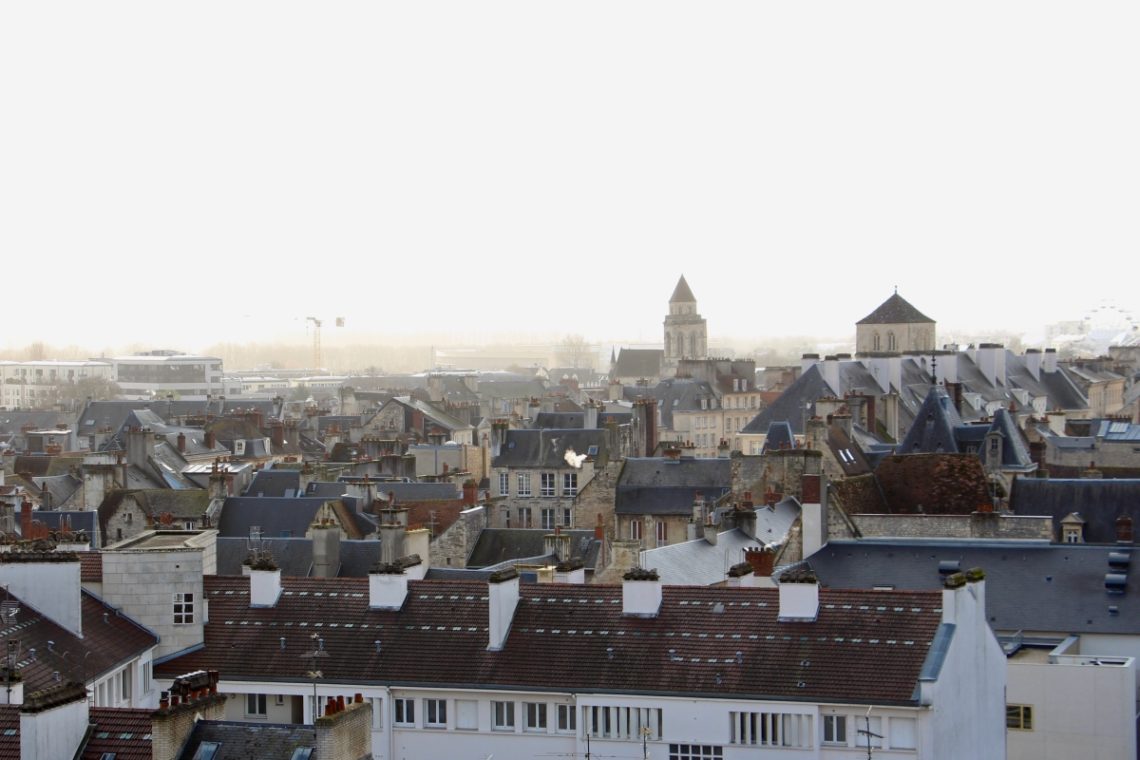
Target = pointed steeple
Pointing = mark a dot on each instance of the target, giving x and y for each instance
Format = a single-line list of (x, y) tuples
[(681, 293)]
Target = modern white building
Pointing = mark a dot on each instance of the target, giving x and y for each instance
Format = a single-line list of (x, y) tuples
[(33, 384), (158, 373)]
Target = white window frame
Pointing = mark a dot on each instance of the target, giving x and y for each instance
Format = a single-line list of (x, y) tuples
[(834, 729), (635, 529), (504, 484), (569, 484), (548, 517), (403, 712), (534, 717), (567, 719), (661, 529), (522, 482), (547, 485), (183, 608), (502, 715), (256, 706), (435, 713)]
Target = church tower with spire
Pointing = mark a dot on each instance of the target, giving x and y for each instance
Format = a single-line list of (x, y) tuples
[(686, 332)]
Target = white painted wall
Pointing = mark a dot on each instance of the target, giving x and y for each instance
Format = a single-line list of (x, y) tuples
[(51, 588), (151, 603), (1079, 710)]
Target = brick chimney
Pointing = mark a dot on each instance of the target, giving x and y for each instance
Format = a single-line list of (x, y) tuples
[(812, 515), (502, 599), (641, 593), (192, 697), (762, 559), (740, 575), (470, 493), (799, 596), (557, 544), (1124, 530), (326, 550), (387, 586), (345, 732), (210, 440), (181, 442)]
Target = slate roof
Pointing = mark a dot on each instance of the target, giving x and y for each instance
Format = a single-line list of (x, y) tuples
[(678, 395), (682, 293), (1029, 586), (294, 556), (497, 546), (274, 482), (511, 389), (1099, 502), (710, 642), (779, 436), (279, 517), (247, 739), (896, 310), (639, 362), (559, 420), (548, 448), (789, 407), (105, 645), (938, 428), (699, 563), (61, 487), (656, 485)]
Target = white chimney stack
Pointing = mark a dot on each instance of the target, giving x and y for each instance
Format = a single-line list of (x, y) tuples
[(502, 599), (387, 587), (264, 586), (799, 596), (640, 593)]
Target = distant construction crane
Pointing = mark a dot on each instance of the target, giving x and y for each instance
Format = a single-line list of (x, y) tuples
[(317, 338)]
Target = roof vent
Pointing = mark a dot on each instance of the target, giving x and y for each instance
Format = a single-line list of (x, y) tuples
[(1115, 583), (1118, 560)]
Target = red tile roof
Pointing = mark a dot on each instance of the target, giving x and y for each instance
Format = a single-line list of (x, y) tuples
[(718, 642), (90, 567), (126, 733)]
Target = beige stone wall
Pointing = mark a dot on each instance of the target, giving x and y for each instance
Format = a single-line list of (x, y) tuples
[(977, 525), (346, 735), (452, 547)]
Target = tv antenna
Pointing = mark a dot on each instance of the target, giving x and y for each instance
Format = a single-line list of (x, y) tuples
[(867, 732)]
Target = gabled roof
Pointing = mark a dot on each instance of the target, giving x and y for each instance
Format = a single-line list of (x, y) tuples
[(699, 563), (281, 517), (559, 420), (853, 650), (678, 395), (1056, 588), (548, 448), (934, 426), (790, 406), (275, 482), (242, 740), (779, 437), (125, 734), (499, 545), (294, 556), (682, 293), (1099, 502), (639, 362), (109, 640), (896, 310), (660, 486)]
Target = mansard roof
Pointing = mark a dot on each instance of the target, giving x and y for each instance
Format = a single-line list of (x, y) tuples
[(682, 293), (896, 310)]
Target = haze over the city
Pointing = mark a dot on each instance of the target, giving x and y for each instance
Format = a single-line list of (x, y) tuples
[(181, 176)]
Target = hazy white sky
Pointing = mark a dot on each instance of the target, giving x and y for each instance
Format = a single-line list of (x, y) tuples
[(192, 172)]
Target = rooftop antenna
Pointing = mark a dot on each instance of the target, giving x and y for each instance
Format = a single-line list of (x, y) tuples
[(867, 732), (314, 672)]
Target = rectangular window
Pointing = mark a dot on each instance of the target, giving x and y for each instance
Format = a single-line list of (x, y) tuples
[(255, 706), (547, 485), (405, 712), (567, 719), (567, 517), (1019, 717), (695, 752), (435, 713), (525, 520), (503, 716), (523, 483), (635, 530), (534, 715), (125, 684), (466, 714), (662, 532), (548, 518), (835, 729), (146, 676), (569, 484), (504, 483), (183, 608), (769, 729), (377, 714)]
